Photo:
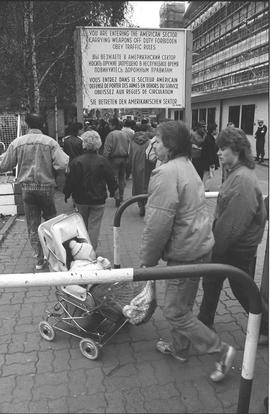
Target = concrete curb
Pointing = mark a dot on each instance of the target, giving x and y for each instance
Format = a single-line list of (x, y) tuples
[(6, 227)]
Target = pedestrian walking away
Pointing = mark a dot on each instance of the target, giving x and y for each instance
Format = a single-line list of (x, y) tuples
[(87, 181), (178, 230), (209, 157), (127, 128), (139, 167), (260, 140), (116, 149), (197, 139), (72, 144), (239, 220), (39, 158)]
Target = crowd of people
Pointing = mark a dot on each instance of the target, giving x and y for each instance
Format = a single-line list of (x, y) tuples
[(173, 165)]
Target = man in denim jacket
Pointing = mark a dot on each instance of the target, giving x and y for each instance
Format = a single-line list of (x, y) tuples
[(38, 158)]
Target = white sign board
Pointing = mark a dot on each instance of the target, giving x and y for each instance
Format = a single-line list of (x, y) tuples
[(129, 68)]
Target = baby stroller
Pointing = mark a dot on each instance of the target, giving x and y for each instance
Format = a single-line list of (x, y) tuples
[(92, 313)]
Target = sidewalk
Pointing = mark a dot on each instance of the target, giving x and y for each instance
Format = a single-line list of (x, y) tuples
[(130, 376)]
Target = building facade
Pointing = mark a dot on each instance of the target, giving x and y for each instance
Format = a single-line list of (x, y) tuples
[(230, 63)]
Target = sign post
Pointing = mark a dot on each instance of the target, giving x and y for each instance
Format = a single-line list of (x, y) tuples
[(133, 68)]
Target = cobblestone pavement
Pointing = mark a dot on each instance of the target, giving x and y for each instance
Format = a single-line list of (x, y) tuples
[(130, 376)]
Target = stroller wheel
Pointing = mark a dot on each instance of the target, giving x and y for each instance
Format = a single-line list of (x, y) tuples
[(89, 348), (46, 331)]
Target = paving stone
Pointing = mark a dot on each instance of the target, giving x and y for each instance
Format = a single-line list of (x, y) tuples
[(94, 381), (21, 357), (163, 392), (208, 397), (3, 348), (31, 342), (228, 326), (87, 403), (19, 369), (173, 405), (7, 386), (40, 406), (134, 401), (17, 344), (189, 395), (145, 351), (77, 361), (115, 402), (123, 352), (22, 328), (61, 360), (162, 370), (59, 405), (121, 383), (77, 382), (23, 389), (50, 392), (51, 378), (45, 362), (20, 407), (146, 374)]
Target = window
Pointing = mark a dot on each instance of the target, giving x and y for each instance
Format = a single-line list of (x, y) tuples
[(247, 119), (178, 115), (234, 114), (194, 118), (202, 114), (211, 115)]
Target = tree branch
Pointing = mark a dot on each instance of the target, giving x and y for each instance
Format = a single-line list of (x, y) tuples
[(52, 65)]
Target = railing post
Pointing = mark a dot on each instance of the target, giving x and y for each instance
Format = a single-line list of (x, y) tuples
[(116, 226)]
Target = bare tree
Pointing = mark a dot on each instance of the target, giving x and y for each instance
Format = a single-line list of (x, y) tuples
[(36, 45)]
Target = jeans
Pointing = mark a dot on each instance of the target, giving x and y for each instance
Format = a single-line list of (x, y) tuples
[(186, 329), (92, 217), (36, 202), (119, 166), (213, 287)]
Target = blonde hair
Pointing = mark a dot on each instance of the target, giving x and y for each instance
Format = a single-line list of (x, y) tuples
[(91, 140)]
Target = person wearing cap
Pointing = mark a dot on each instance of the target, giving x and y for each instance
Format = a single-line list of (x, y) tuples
[(197, 139), (260, 140), (87, 181)]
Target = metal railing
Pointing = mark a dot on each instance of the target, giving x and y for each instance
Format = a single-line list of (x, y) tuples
[(170, 272)]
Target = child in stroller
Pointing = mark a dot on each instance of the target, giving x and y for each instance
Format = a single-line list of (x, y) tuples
[(92, 313)]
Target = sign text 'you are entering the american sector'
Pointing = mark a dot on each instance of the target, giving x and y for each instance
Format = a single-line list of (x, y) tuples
[(142, 68)]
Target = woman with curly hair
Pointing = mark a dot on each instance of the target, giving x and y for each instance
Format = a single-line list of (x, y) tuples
[(239, 220), (178, 230)]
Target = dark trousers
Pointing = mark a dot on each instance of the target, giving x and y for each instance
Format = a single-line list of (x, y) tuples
[(37, 203), (119, 166), (213, 287), (260, 147)]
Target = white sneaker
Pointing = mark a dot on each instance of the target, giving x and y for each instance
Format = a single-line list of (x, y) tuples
[(41, 264), (224, 364)]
